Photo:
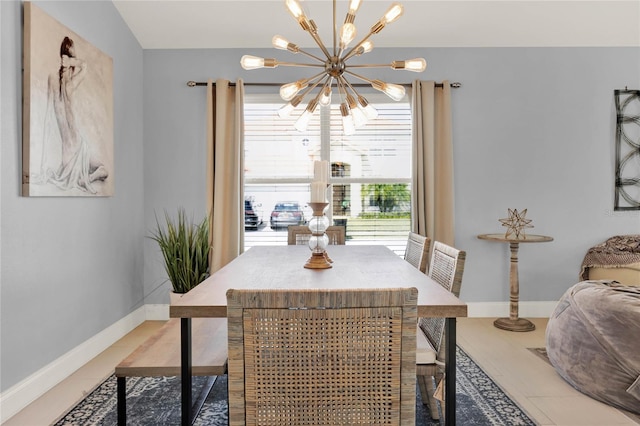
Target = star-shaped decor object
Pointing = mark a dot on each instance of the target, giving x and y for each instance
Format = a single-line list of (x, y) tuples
[(516, 223)]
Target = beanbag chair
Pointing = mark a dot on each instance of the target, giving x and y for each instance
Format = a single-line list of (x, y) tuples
[(593, 341)]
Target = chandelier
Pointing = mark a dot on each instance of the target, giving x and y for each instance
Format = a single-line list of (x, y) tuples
[(354, 108)]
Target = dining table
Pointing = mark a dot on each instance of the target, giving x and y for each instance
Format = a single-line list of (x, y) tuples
[(282, 267)]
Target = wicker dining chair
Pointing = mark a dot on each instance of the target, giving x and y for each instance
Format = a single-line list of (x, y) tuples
[(446, 268), (417, 251), (300, 234), (341, 357)]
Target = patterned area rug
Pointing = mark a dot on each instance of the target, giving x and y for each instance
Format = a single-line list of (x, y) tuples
[(156, 401)]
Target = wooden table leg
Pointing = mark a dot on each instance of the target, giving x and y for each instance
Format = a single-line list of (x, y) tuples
[(450, 372), (185, 359), (514, 323)]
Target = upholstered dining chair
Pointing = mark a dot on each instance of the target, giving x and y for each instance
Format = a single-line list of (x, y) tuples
[(446, 268), (322, 356), (299, 235), (417, 251)]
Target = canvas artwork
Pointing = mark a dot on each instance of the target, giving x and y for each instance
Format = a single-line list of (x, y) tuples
[(67, 112)]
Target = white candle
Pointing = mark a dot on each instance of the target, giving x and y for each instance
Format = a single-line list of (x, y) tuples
[(321, 171), (318, 192)]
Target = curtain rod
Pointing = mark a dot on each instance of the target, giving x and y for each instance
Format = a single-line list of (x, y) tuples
[(192, 83)]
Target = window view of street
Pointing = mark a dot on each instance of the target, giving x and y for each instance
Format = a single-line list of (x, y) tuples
[(370, 183)]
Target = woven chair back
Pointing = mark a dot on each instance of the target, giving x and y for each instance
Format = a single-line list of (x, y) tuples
[(300, 234), (446, 268), (342, 357), (417, 251)]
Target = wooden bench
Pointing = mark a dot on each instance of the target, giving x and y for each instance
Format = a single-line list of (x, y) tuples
[(159, 355)]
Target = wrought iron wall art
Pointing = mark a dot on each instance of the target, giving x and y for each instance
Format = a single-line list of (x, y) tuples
[(627, 190)]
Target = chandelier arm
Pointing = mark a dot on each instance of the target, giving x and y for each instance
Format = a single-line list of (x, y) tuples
[(369, 111), (355, 92), (394, 91), (297, 64), (341, 89), (320, 44), (353, 50), (317, 98), (349, 85), (325, 99), (327, 82), (315, 84), (317, 76), (310, 88), (370, 66), (312, 56), (368, 80), (335, 30), (340, 52)]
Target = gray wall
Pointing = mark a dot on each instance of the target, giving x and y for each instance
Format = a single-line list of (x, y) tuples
[(70, 266), (533, 128)]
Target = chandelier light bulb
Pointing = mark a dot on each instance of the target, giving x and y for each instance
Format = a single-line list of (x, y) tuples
[(369, 111), (347, 34), (302, 122), (325, 98), (359, 119), (286, 110), (394, 91), (394, 12), (415, 65), (279, 42), (282, 43), (289, 90), (365, 47), (294, 9), (249, 62), (354, 5), (348, 126)]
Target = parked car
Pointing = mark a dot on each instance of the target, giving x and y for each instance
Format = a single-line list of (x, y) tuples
[(252, 217), (286, 213)]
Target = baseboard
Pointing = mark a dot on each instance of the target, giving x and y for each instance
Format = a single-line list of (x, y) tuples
[(156, 312), (31, 388), (501, 309)]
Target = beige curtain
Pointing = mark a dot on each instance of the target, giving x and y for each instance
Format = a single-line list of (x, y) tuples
[(225, 170), (432, 191)]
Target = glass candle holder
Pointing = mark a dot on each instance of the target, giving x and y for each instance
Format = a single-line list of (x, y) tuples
[(318, 241)]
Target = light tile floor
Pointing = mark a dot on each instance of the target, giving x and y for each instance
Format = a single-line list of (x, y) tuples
[(54, 403), (529, 380)]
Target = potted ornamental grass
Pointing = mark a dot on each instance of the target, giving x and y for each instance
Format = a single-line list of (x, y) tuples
[(185, 250)]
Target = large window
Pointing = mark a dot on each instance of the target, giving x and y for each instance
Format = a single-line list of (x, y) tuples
[(370, 172)]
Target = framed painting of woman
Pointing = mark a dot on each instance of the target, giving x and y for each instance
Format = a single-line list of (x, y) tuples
[(67, 145)]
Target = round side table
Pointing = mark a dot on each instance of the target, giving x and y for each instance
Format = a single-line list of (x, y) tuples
[(513, 323)]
